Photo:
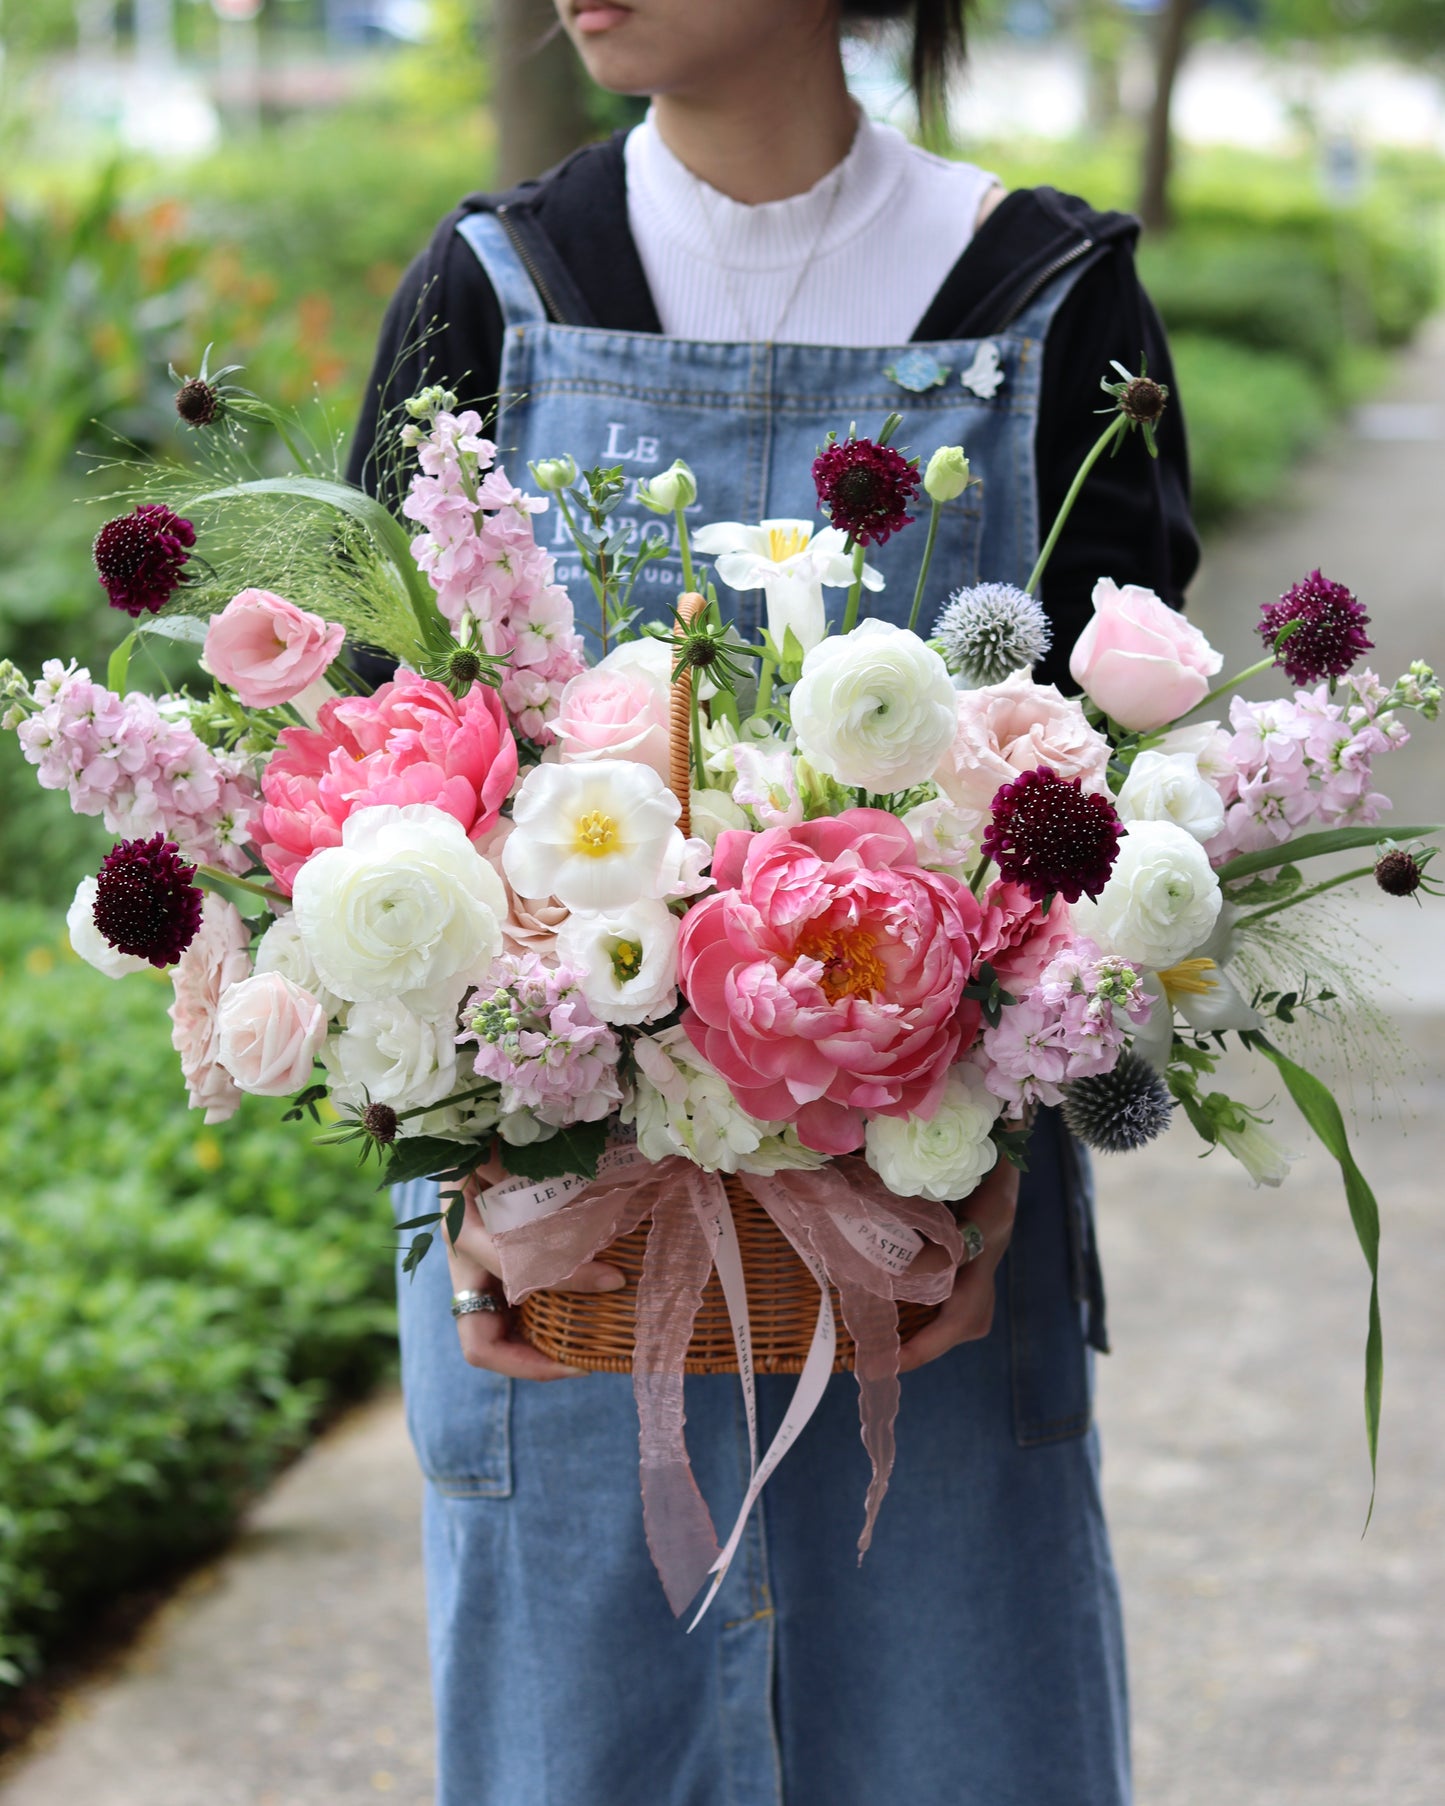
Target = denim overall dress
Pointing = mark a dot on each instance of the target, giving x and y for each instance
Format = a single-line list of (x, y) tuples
[(975, 1658)]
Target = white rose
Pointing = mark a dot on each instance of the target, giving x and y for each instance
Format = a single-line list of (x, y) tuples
[(387, 1054), (681, 1104), (268, 1034), (1169, 787), (405, 905), (1161, 901), (91, 945), (945, 1156), (626, 958), (280, 949), (875, 708)]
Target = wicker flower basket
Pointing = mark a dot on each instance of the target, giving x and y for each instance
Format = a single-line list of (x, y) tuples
[(595, 1330)]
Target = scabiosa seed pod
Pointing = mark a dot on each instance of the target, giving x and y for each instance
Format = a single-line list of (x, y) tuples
[(1398, 873), (145, 902), (140, 558), (464, 667), (1118, 1111), (866, 489), (1142, 400), (1329, 630), (381, 1123), (988, 632), (199, 403), (1052, 837)]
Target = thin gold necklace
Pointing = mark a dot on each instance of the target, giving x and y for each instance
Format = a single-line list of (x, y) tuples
[(744, 320)]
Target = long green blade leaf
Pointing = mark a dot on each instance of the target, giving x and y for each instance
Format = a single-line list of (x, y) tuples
[(118, 669), (1313, 846)]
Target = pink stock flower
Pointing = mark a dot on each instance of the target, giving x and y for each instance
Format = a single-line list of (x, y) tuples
[(216, 959), (1140, 660), (826, 977), (267, 649), (538, 1038), (1070, 1025), (1015, 726), (410, 742)]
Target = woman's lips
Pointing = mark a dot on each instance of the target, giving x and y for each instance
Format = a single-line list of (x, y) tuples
[(595, 18)]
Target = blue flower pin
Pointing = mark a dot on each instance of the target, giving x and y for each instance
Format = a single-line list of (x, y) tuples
[(917, 371)]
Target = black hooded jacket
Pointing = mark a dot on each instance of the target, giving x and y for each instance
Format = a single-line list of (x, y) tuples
[(1131, 521)]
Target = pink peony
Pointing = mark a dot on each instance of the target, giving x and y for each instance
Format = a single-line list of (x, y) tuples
[(1140, 660), (219, 957), (826, 977), (412, 742), (1016, 726), (1015, 936), (267, 649), (612, 712)]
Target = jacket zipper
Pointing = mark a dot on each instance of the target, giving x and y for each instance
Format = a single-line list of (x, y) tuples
[(1047, 275), (548, 299)]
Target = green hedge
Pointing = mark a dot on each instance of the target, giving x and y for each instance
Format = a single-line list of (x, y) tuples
[(179, 1301)]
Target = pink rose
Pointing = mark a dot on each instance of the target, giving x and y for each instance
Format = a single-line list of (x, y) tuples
[(1015, 726), (267, 649), (613, 712), (532, 922), (1015, 936), (268, 1033), (1139, 660), (219, 957), (411, 742), (826, 977)]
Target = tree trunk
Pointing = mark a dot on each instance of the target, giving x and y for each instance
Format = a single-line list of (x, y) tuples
[(1174, 20), (539, 95)]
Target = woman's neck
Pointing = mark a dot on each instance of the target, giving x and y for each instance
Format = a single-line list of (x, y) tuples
[(770, 133)]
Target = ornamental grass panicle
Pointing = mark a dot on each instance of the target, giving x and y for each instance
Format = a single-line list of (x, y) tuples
[(1324, 628), (538, 1038), (145, 903), (1052, 837), (140, 558), (866, 489), (990, 631)]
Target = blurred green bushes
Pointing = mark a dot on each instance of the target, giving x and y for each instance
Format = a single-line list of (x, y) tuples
[(179, 1303)]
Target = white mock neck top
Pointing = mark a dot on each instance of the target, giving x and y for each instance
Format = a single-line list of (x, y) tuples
[(853, 261)]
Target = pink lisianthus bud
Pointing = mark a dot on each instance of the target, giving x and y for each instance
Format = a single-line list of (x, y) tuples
[(267, 649), (1139, 660)]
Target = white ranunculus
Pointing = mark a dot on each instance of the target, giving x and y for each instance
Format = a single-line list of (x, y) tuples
[(1206, 742), (1266, 1160), (594, 836), (280, 949), (404, 907), (790, 563), (945, 1156), (92, 946), (713, 812), (1161, 900), (1169, 787), (875, 708), (681, 1104), (388, 1054), (626, 958)]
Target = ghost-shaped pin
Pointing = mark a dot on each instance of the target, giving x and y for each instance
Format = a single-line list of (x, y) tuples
[(984, 376)]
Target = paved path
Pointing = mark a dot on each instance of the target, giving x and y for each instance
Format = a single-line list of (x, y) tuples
[(1278, 1659)]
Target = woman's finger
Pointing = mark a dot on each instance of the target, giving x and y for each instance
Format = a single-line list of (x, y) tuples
[(476, 1245)]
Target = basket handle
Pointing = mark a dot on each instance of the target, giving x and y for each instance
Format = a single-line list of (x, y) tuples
[(679, 721)]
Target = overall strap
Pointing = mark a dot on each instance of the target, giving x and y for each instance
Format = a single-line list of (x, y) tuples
[(514, 288)]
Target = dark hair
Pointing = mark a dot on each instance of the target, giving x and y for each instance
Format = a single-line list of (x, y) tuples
[(938, 42)]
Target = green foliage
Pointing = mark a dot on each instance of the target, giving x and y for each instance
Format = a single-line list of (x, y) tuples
[(179, 1302)]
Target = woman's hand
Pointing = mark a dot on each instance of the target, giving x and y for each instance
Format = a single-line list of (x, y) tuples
[(968, 1314), (488, 1338)]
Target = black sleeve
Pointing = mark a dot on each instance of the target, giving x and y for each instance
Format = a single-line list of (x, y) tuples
[(1131, 521)]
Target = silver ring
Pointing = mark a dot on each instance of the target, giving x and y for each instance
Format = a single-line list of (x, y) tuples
[(972, 1240), (466, 1304)]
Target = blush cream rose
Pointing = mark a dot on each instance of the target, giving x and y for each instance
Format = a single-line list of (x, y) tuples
[(268, 1034), (1140, 660)]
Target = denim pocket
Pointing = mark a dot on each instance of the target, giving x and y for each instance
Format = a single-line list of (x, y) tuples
[(1048, 1358)]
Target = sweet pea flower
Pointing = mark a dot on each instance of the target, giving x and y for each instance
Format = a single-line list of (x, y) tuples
[(1139, 660), (790, 563), (267, 649)]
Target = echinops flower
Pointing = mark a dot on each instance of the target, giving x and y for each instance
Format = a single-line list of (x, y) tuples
[(990, 631)]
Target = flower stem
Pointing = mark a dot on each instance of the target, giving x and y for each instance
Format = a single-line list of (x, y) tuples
[(1232, 683), (694, 703), (684, 546), (765, 687), (855, 594), (216, 876), (1303, 896), (923, 568), (1114, 430), (975, 883)]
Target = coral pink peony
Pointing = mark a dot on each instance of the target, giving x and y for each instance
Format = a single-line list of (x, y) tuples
[(411, 742), (1015, 726), (1015, 936), (826, 977), (267, 649), (1140, 660)]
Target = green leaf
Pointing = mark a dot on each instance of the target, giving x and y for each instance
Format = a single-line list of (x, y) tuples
[(428, 1157), (1322, 1113), (434, 1216), (575, 1149), (1313, 846), (190, 629), (416, 1253), (456, 1211), (118, 669)]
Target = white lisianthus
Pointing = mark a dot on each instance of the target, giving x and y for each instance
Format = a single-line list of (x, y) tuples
[(405, 906), (681, 1104), (1266, 1160), (1170, 787), (281, 949), (626, 959), (944, 1156), (91, 945), (713, 813), (670, 489), (875, 708), (767, 784), (1161, 901), (947, 475), (790, 563), (945, 835), (594, 836)]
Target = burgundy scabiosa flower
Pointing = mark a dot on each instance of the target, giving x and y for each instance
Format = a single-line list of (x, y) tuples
[(1051, 836), (865, 488), (1328, 630), (145, 902), (140, 557)]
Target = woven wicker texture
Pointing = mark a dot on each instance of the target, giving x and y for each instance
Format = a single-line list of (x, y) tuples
[(595, 1329)]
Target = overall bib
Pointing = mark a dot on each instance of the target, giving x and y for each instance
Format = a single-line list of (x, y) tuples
[(975, 1658)]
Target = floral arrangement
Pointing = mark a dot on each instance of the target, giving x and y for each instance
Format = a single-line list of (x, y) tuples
[(832, 910)]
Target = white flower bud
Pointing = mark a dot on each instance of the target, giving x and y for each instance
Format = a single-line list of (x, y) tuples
[(669, 490), (555, 474), (947, 475)]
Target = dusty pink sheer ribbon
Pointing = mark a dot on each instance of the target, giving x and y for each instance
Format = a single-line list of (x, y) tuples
[(847, 1228)]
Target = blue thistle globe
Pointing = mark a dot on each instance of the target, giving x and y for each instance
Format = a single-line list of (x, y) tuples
[(1118, 1111), (990, 631)]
